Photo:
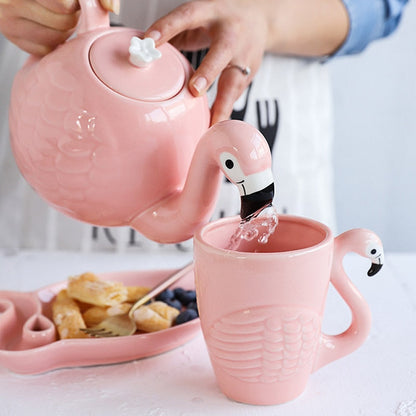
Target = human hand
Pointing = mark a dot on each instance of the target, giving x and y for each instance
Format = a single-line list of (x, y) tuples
[(235, 32), (39, 26), (238, 32)]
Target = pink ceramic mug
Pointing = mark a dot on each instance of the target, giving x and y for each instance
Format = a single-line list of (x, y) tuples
[(261, 307)]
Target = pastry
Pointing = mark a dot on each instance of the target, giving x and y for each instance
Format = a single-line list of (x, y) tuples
[(88, 288), (155, 316), (67, 317), (96, 314), (136, 292)]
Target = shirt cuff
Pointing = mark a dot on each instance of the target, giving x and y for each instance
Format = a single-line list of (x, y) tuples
[(366, 24)]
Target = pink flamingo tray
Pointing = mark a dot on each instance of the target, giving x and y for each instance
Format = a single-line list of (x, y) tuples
[(28, 342)]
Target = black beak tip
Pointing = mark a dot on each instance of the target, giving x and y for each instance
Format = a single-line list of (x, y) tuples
[(250, 204), (374, 269)]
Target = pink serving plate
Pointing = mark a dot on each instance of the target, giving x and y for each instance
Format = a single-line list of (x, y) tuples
[(28, 338)]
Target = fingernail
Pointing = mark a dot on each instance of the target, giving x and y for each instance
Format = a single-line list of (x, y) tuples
[(116, 6), (154, 34), (200, 84), (112, 5)]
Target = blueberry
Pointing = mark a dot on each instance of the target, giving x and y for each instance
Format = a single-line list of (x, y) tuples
[(192, 305), (186, 296), (165, 295), (185, 316), (174, 303), (178, 291)]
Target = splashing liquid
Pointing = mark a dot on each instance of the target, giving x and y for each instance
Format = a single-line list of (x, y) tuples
[(260, 226)]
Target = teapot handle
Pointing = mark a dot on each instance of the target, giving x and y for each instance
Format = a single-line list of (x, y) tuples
[(93, 16), (332, 347)]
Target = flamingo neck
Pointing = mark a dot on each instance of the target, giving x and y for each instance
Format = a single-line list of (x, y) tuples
[(333, 347), (176, 217)]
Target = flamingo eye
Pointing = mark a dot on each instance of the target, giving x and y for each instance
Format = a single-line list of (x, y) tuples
[(230, 167), (374, 250), (229, 164)]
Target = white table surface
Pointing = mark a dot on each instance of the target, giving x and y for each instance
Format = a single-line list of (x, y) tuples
[(379, 379)]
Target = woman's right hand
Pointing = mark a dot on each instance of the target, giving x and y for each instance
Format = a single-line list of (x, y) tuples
[(39, 26)]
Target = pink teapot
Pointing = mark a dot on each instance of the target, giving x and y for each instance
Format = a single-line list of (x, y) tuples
[(106, 131)]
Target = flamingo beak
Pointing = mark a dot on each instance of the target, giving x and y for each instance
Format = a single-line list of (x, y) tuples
[(256, 201), (375, 268)]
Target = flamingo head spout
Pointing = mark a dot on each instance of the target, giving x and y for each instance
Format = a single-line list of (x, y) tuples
[(231, 147), (244, 157)]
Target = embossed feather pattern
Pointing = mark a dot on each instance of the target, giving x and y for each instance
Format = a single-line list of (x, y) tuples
[(265, 344), (53, 98)]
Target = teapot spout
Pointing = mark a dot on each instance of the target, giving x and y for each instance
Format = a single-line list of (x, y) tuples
[(233, 148)]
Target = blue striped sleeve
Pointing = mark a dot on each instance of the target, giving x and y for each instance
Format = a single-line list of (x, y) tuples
[(369, 20)]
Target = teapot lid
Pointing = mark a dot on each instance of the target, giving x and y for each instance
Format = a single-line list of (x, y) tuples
[(161, 80)]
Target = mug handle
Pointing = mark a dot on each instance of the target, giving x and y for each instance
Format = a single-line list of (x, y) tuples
[(93, 16), (367, 244)]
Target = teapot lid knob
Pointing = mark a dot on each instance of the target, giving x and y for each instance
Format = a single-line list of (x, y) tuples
[(143, 51), (134, 68)]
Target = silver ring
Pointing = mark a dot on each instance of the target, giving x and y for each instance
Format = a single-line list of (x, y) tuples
[(245, 70)]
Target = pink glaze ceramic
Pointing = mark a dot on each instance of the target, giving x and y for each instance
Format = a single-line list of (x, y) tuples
[(28, 342), (261, 307), (104, 129)]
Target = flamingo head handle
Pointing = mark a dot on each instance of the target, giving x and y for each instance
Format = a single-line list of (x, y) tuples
[(374, 251), (367, 244), (243, 155)]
